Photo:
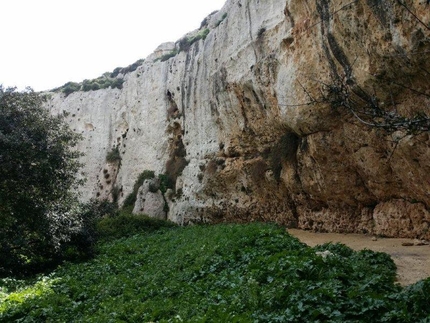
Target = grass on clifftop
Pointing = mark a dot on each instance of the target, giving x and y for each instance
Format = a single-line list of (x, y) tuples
[(222, 273)]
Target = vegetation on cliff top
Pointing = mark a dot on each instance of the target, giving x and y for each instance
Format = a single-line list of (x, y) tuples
[(109, 79), (224, 273), (185, 43)]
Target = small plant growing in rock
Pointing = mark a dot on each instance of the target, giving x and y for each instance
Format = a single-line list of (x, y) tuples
[(221, 20), (113, 156), (131, 198), (261, 32), (153, 188), (165, 183), (186, 42), (169, 55), (70, 87), (125, 70)]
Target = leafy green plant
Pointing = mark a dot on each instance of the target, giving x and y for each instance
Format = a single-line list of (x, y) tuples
[(113, 156), (221, 20), (70, 87), (169, 55), (261, 32), (107, 80), (223, 273), (128, 69), (117, 83), (102, 82), (126, 224), (165, 183), (186, 42), (82, 243)]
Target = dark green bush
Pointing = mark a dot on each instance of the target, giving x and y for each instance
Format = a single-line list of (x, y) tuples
[(86, 85), (261, 32), (70, 87), (165, 183), (83, 242), (412, 304), (128, 69), (38, 170), (131, 198), (204, 33), (113, 156), (129, 201), (221, 20), (186, 42), (102, 82), (126, 225), (95, 86), (132, 67), (117, 83), (115, 72)]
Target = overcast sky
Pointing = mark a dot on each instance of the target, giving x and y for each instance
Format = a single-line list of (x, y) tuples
[(46, 43)]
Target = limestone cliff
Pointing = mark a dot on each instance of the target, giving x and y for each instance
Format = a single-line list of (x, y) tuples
[(261, 115)]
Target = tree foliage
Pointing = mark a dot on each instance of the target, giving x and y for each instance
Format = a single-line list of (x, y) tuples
[(37, 175)]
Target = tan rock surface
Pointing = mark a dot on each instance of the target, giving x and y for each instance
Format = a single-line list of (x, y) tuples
[(150, 201)]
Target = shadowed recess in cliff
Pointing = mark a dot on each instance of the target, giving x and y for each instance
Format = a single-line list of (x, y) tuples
[(285, 150), (176, 162)]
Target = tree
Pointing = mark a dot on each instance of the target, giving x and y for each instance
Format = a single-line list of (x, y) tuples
[(38, 168)]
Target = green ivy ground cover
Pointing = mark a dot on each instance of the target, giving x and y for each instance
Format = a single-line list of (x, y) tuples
[(222, 273)]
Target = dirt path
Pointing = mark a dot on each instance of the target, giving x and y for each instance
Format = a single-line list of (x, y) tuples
[(413, 262)]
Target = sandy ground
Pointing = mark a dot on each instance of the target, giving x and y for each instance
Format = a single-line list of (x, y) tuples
[(413, 262)]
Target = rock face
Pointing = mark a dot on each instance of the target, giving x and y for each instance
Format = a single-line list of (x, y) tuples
[(260, 115), (150, 201)]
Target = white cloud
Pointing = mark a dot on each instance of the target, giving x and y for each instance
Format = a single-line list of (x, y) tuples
[(47, 43)]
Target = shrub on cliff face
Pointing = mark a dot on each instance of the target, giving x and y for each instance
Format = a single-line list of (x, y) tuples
[(37, 173), (131, 198), (113, 156), (169, 55), (186, 42)]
